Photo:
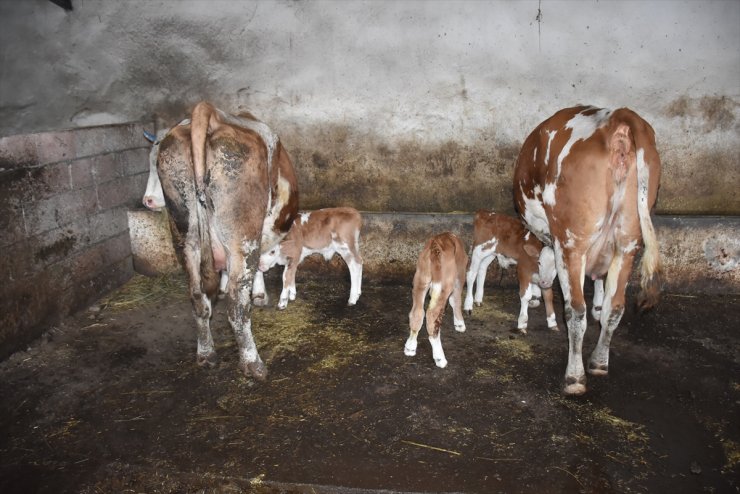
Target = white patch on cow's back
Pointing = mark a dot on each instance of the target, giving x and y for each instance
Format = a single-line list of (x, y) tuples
[(551, 136), (305, 217), (582, 127)]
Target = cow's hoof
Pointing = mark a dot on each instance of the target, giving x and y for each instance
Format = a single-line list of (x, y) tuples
[(468, 312), (260, 300), (441, 362), (409, 352), (207, 360), (258, 370), (535, 302), (282, 305), (460, 328), (522, 330), (351, 303), (575, 386), (555, 328), (478, 304), (598, 369)]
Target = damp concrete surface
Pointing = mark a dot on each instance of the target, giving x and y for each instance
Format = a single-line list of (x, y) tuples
[(111, 400)]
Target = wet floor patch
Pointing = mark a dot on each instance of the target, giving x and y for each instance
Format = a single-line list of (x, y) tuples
[(112, 401)]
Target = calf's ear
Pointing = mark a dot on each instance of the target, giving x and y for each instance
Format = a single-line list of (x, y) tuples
[(531, 251)]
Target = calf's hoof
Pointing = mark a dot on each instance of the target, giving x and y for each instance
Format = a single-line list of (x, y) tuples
[(207, 360), (535, 302), (282, 305), (598, 369), (468, 312), (409, 352), (440, 362), (574, 386), (522, 330), (555, 328), (258, 370), (260, 300), (460, 328)]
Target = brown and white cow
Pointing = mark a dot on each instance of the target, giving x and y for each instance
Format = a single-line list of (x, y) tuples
[(440, 270), (584, 183), (501, 237), (230, 190), (327, 232)]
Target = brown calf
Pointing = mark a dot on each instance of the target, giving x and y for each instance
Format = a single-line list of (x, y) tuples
[(326, 232), (441, 268), (501, 237)]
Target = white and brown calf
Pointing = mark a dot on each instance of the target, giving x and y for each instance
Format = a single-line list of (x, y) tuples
[(503, 238), (440, 271), (584, 183), (327, 232)]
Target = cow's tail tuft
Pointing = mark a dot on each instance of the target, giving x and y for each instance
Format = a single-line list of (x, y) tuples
[(651, 277)]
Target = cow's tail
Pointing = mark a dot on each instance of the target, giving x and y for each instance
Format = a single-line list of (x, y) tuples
[(650, 266), (204, 120)]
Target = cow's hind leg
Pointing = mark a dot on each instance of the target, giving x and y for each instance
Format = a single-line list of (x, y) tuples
[(201, 303), (571, 281), (243, 260), (612, 311), (416, 316)]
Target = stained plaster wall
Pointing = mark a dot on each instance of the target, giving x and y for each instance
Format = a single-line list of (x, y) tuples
[(394, 106)]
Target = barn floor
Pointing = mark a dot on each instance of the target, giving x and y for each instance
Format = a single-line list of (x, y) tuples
[(112, 401)]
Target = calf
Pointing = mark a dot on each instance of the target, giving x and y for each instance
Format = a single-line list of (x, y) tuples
[(441, 268), (501, 237), (327, 232)]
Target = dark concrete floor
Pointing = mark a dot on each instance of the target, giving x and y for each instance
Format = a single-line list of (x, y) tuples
[(112, 401)]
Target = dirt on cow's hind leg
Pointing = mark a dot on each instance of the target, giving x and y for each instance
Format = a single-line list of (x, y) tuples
[(209, 360), (257, 369)]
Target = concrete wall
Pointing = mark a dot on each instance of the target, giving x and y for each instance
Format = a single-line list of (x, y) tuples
[(699, 254), (63, 223), (394, 106)]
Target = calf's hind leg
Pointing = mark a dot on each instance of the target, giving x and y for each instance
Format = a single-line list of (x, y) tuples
[(435, 311), (416, 316)]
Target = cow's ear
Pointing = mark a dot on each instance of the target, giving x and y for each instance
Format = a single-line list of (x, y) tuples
[(531, 251)]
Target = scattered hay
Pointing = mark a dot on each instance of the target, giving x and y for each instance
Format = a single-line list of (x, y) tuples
[(141, 291), (517, 348)]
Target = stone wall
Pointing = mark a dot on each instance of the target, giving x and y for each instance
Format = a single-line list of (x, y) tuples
[(63, 223)]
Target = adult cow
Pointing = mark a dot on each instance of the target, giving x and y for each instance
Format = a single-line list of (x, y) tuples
[(584, 183), (230, 190)]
